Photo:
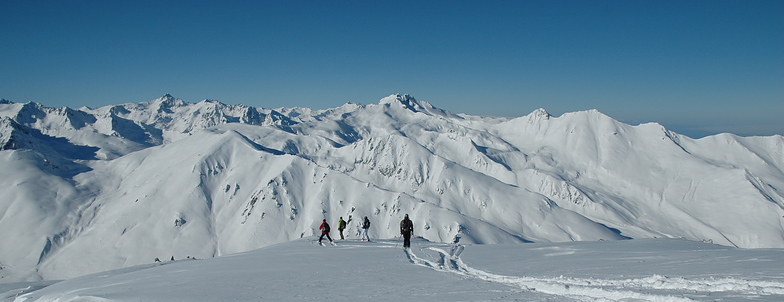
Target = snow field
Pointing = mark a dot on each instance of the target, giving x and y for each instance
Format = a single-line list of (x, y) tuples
[(629, 270)]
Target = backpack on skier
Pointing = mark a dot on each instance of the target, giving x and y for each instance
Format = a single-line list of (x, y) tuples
[(324, 227), (406, 226)]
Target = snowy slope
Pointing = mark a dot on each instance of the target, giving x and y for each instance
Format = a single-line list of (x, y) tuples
[(630, 270), (124, 184)]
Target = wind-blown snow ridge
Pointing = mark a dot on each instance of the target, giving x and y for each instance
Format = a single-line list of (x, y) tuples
[(169, 178)]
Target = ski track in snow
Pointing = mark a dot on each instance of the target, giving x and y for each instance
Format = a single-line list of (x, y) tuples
[(592, 289)]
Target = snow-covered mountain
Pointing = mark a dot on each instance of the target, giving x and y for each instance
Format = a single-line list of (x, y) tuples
[(122, 185)]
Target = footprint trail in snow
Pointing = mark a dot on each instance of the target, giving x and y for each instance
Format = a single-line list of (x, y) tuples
[(653, 288)]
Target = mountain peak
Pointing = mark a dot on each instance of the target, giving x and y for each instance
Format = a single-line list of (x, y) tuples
[(408, 102), (168, 98), (168, 101), (4, 101), (541, 113), (395, 97), (404, 99)]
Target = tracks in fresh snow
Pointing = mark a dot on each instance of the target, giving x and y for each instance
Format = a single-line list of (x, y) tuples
[(653, 288)]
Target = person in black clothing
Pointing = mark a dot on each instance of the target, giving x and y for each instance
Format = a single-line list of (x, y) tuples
[(406, 229), (324, 227), (365, 227)]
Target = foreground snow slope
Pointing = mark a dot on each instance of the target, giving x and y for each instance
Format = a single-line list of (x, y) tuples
[(631, 270), (125, 184)]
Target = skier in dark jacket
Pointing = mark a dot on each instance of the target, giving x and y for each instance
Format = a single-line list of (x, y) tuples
[(406, 229), (365, 227), (324, 227)]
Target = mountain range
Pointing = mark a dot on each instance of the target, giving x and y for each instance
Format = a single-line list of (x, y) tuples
[(92, 189)]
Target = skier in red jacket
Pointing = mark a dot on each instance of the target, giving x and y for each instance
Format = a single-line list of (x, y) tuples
[(324, 227)]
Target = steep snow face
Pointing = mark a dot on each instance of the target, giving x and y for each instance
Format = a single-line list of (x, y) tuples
[(129, 183), (38, 210), (8, 129), (651, 176)]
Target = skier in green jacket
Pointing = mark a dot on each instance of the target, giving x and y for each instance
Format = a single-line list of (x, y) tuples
[(341, 227)]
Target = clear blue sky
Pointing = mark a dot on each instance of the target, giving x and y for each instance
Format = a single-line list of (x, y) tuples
[(697, 67)]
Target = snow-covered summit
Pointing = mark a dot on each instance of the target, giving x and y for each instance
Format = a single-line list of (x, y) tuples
[(127, 183), (409, 103), (405, 100), (540, 113)]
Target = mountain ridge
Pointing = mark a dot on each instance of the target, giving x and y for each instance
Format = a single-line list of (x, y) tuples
[(166, 177)]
